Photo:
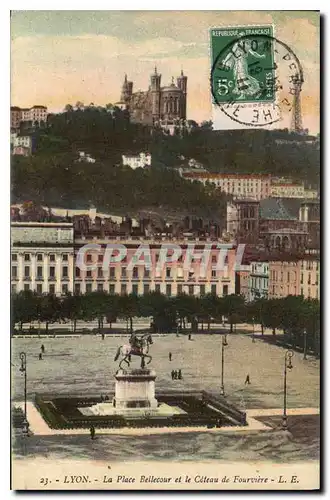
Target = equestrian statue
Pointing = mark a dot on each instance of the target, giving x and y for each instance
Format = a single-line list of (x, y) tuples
[(138, 346)]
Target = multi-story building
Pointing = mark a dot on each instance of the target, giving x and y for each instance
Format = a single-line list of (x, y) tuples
[(284, 278), (258, 280), (37, 115), (300, 276), (254, 186), (171, 279), (42, 258), (310, 277), (137, 161), (243, 220), (287, 190)]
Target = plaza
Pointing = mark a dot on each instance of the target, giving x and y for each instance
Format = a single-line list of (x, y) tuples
[(85, 365)]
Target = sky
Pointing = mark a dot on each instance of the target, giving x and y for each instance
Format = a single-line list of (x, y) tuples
[(60, 57)]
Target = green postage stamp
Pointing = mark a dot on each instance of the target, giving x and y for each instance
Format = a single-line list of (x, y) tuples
[(243, 64)]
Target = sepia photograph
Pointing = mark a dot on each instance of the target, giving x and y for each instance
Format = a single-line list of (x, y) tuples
[(165, 250)]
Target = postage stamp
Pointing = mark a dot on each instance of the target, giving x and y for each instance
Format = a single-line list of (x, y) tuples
[(255, 77)]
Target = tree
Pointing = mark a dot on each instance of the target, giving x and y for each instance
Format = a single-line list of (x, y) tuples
[(24, 308), (68, 108), (234, 309), (50, 309), (272, 313), (72, 309), (129, 308), (211, 306), (96, 307)]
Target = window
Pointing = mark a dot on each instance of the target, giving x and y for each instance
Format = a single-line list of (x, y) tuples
[(301, 291), (123, 272), (317, 279), (77, 272), (288, 275), (27, 257), (40, 257), (191, 289), (77, 288), (65, 271), (214, 259), (147, 273), (202, 290), (14, 257), (112, 289), (112, 273), (52, 257), (100, 287), (135, 289), (39, 272), (13, 288), (100, 272), (13, 271), (135, 272), (65, 257), (214, 273), (26, 287), (26, 272), (123, 289), (52, 272), (89, 274), (179, 289), (309, 279), (309, 293), (89, 288), (89, 257), (214, 289), (100, 258), (225, 290), (52, 289), (157, 288), (146, 289), (168, 272), (169, 290), (64, 288)]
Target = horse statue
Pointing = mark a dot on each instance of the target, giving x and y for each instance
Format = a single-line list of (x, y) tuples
[(136, 347)]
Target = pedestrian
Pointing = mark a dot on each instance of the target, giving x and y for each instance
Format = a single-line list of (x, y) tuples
[(40, 355), (189, 336), (102, 336), (172, 374), (42, 348), (92, 432), (179, 374), (247, 380), (170, 356)]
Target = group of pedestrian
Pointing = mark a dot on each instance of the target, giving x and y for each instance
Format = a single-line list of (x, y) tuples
[(176, 374)]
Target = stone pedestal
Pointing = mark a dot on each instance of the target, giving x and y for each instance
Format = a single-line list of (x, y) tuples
[(135, 388)]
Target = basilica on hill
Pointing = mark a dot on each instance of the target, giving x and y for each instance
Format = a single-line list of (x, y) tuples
[(164, 107)]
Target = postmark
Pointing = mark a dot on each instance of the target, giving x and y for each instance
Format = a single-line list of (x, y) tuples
[(255, 77)]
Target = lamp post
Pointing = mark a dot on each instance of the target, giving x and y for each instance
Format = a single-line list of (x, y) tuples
[(224, 344), (287, 366), (23, 370), (253, 338), (305, 343)]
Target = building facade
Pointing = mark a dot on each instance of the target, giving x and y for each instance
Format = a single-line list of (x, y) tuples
[(287, 190), (37, 115), (171, 279), (284, 278), (254, 186), (310, 277), (137, 161), (258, 280), (162, 106), (42, 257)]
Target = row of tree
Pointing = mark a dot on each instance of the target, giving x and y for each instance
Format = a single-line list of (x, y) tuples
[(299, 318)]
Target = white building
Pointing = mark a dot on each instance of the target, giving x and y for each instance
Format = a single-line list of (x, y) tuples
[(22, 140), (42, 257), (137, 161), (85, 157), (258, 280), (254, 186)]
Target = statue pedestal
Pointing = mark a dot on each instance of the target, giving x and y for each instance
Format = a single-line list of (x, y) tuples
[(135, 388)]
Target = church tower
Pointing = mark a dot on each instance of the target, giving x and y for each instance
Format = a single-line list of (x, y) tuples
[(126, 91), (182, 84), (155, 95)]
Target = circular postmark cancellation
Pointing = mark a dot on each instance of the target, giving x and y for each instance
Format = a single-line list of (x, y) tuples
[(255, 78)]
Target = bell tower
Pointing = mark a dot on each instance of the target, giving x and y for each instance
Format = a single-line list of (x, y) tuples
[(126, 91), (182, 84), (155, 80)]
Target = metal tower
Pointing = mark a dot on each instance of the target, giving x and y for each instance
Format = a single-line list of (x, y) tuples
[(296, 118)]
